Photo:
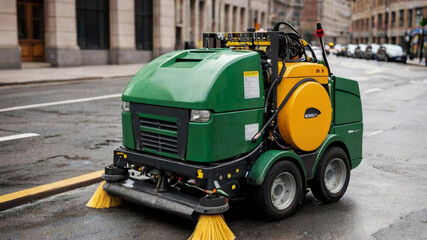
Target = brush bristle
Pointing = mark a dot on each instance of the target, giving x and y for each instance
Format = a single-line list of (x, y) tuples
[(212, 227), (101, 199)]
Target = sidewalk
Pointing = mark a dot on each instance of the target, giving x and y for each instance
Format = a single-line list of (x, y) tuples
[(49, 74), (416, 62)]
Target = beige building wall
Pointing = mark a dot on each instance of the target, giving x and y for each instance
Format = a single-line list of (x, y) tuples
[(335, 16), (60, 33), (176, 24), (122, 24), (122, 34), (10, 52), (163, 26)]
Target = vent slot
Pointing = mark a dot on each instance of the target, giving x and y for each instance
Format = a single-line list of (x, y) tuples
[(187, 60), (160, 139)]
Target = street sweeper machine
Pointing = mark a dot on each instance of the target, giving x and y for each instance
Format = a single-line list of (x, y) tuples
[(250, 115)]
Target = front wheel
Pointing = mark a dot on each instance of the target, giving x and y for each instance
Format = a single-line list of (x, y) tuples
[(281, 191), (332, 176)]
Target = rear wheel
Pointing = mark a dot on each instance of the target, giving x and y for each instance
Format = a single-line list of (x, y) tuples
[(281, 191), (332, 176)]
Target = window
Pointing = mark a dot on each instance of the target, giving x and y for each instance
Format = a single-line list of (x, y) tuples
[(393, 18), (227, 17), (22, 22), (418, 16), (93, 24), (400, 18), (367, 24), (410, 18), (386, 20), (144, 24)]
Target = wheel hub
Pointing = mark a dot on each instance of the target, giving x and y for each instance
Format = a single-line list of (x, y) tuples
[(283, 190), (335, 175)]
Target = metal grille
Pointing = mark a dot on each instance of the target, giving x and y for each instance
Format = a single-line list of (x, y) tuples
[(157, 141), (160, 130)]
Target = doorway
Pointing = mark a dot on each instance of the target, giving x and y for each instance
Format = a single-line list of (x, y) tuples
[(31, 30)]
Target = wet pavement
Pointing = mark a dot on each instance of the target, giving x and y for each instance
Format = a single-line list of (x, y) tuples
[(386, 198)]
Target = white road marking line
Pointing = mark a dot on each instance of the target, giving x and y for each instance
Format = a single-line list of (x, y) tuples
[(18, 136), (60, 102), (378, 70), (361, 79), (373, 90), (372, 133)]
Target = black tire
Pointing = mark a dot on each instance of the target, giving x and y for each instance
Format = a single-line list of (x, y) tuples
[(282, 173), (332, 176)]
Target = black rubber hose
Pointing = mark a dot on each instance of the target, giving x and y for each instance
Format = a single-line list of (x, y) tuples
[(254, 138), (276, 81), (276, 27)]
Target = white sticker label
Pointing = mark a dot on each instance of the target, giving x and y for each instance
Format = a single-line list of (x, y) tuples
[(250, 131), (251, 83)]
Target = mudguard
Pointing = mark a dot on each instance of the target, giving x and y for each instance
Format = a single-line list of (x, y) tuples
[(261, 166)]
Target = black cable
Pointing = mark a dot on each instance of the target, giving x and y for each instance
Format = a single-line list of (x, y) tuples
[(276, 27)]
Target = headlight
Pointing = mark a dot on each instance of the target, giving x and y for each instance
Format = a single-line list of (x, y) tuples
[(125, 106), (200, 116)]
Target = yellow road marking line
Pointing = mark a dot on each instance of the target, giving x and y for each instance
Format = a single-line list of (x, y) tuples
[(27, 195)]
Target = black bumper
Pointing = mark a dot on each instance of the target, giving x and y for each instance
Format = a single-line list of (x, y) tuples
[(217, 175)]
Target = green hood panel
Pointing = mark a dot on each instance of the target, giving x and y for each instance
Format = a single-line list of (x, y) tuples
[(211, 79)]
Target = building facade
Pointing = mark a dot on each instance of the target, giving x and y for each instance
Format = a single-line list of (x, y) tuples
[(335, 16), (386, 21), (80, 32), (193, 17), (287, 11), (309, 19)]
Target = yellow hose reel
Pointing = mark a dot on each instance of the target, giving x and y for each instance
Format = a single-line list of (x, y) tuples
[(305, 119)]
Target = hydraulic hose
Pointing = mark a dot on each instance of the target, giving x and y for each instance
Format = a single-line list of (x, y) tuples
[(276, 81), (276, 27)]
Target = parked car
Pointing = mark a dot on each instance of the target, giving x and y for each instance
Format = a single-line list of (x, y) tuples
[(359, 52), (350, 50), (391, 52), (327, 48), (335, 49), (371, 51), (342, 50)]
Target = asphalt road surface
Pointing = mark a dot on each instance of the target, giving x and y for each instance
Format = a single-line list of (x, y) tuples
[(386, 198)]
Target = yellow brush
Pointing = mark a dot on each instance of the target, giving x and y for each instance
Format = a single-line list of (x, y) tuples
[(101, 199), (212, 227)]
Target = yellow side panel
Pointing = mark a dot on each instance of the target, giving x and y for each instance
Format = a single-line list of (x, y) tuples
[(306, 70)]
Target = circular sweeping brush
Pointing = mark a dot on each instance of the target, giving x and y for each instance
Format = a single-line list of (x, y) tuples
[(212, 227), (101, 199)]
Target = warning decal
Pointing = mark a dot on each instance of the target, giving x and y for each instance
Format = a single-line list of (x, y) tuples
[(251, 84), (250, 131)]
